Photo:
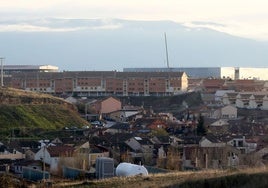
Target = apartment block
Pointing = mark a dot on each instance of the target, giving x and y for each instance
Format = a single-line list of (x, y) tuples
[(102, 83)]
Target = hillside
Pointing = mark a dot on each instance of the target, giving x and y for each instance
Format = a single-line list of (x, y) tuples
[(28, 110)]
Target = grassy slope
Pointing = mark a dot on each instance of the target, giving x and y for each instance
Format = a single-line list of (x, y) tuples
[(47, 116), (28, 110)]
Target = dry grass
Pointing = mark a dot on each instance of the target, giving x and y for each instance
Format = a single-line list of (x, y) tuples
[(17, 92), (16, 96), (30, 110), (163, 180)]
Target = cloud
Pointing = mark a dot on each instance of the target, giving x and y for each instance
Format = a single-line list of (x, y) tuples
[(240, 17), (207, 23), (32, 28), (238, 28), (57, 25)]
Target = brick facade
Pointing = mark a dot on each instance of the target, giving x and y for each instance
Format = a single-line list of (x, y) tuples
[(102, 83)]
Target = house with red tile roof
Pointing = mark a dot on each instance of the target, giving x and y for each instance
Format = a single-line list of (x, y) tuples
[(212, 85), (246, 85)]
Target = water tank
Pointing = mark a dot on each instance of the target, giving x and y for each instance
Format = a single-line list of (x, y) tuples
[(104, 167), (128, 169)]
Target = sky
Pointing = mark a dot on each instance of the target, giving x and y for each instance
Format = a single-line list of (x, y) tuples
[(105, 34), (244, 18)]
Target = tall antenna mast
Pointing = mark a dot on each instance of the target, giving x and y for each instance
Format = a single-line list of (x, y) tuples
[(166, 51)]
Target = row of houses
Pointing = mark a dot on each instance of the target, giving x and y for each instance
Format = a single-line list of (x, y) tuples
[(101, 83), (211, 85), (188, 152), (250, 100)]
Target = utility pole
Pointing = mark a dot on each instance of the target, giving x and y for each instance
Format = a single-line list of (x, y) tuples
[(2, 71), (44, 164)]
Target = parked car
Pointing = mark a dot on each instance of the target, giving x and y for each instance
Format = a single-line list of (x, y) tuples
[(85, 127), (97, 123)]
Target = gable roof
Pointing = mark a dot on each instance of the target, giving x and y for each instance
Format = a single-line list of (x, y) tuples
[(21, 145), (191, 139), (212, 138), (143, 121), (139, 123), (219, 122), (143, 141), (58, 151), (95, 149), (24, 143), (123, 126), (117, 137), (163, 139), (57, 141)]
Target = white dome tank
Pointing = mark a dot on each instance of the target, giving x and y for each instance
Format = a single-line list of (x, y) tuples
[(128, 169)]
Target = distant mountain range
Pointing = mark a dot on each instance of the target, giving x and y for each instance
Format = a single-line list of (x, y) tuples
[(95, 44)]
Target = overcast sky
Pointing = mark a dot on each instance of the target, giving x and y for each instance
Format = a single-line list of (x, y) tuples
[(116, 34), (245, 18)]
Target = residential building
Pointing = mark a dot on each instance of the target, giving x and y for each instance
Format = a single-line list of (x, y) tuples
[(219, 127), (127, 113), (213, 157), (141, 145), (229, 98), (53, 155), (234, 73), (17, 167), (226, 112), (249, 100), (96, 152), (150, 123), (102, 83), (192, 72), (242, 85), (210, 141), (242, 144), (220, 93), (212, 85), (106, 106), (119, 128), (256, 101), (10, 69), (10, 153)]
